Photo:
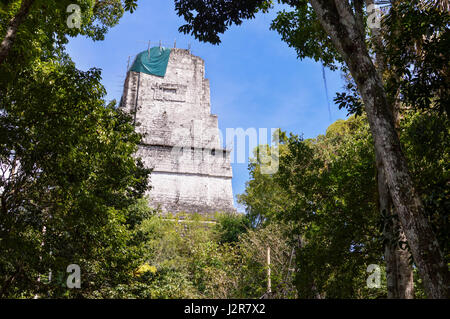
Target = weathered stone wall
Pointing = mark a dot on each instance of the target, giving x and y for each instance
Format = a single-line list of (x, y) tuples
[(191, 170)]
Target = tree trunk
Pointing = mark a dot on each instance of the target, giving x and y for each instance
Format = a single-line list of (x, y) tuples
[(338, 20), (399, 275), (13, 26)]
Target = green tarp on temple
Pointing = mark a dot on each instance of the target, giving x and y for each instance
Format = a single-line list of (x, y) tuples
[(155, 64)]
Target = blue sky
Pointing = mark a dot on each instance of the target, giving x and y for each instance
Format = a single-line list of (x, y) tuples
[(256, 79)]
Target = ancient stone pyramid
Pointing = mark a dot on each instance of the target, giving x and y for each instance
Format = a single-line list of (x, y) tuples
[(191, 169)]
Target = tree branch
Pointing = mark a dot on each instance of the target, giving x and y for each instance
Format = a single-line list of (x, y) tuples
[(13, 26)]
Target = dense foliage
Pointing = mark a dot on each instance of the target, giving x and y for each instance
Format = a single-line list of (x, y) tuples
[(68, 175), (329, 197), (190, 257)]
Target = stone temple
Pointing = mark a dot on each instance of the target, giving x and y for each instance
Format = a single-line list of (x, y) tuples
[(167, 94)]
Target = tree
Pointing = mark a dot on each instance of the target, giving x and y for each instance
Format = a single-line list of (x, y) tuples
[(263, 198), (50, 19), (230, 226), (68, 171), (13, 26), (341, 24), (410, 57), (68, 176), (328, 185)]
